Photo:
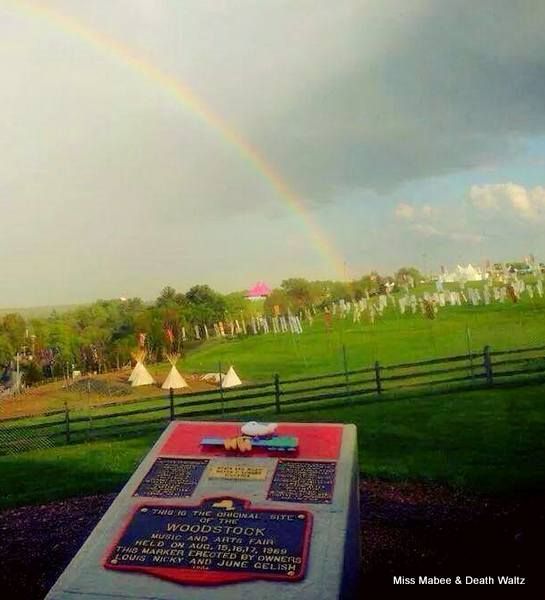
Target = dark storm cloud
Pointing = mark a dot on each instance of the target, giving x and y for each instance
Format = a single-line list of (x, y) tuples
[(460, 85)]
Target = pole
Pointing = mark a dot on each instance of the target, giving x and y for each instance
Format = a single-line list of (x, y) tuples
[(221, 391), (377, 377), (345, 364), (277, 393), (469, 352), (488, 366), (171, 397), (18, 380), (67, 422)]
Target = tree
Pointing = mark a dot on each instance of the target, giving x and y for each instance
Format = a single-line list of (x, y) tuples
[(338, 290), (32, 373), (403, 275), (14, 328), (6, 350), (299, 292), (236, 304), (319, 291), (278, 297), (167, 297), (205, 305)]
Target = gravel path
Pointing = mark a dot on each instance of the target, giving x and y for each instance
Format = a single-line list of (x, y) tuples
[(408, 529)]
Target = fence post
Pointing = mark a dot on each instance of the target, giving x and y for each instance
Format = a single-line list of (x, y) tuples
[(66, 422), (488, 366), (469, 352), (345, 364), (221, 392), (277, 392), (377, 377), (171, 398)]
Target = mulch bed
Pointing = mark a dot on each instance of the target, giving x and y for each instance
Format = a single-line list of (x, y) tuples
[(408, 529)]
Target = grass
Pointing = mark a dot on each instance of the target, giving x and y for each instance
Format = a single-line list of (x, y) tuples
[(490, 441), (392, 339), (485, 440)]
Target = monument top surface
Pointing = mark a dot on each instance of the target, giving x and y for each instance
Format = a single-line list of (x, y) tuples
[(314, 440)]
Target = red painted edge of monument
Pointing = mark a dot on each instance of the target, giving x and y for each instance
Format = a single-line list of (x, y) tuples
[(317, 441), (209, 578)]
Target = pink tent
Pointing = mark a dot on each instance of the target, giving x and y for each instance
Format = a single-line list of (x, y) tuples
[(259, 290)]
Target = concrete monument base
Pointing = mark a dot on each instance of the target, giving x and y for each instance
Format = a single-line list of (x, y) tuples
[(197, 520)]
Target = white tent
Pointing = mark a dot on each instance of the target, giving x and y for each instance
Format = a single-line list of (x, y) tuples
[(463, 274), (174, 379), (231, 379), (140, 375)]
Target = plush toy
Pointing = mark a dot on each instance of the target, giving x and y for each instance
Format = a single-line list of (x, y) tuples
[(254, 434), (255, 429)]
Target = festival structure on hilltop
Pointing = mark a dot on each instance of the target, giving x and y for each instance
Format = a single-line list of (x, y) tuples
[(259, 291), (463, 274)]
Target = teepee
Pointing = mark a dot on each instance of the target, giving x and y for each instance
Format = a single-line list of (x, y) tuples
[(140, 375), (174, 380), (231, 379)]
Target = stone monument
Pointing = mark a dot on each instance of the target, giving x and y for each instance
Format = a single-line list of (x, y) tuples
[(229, 510)]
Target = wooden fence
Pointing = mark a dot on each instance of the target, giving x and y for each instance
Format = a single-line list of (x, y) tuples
[(348, 387)]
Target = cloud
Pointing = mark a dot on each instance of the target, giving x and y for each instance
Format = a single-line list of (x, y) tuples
[(471, 238), (372, 94), (404, 211), (509, 199), (428, 222), (428, 210), (429, 231), (444, 88), (426, 230)]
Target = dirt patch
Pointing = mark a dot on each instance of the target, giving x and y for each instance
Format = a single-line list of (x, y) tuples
[(91, 391), (407, 529)]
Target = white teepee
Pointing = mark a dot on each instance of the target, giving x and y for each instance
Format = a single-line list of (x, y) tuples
[(231, 379), (137, 356), (174, 380), (140, 375)]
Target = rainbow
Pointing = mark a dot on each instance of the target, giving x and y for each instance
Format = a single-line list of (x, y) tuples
[(195, 105)]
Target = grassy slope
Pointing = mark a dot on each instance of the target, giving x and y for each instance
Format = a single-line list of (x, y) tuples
[(393, 338), (490, 440)]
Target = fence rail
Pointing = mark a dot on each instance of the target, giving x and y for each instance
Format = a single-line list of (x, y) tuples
[(130, 418)]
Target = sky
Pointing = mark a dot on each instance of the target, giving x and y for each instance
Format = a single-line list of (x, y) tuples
[(142, 142)]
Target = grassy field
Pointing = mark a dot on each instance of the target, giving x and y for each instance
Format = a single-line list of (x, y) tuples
[(486, 440), (489, 441), (392, 339)]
